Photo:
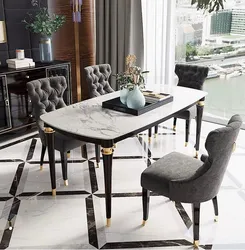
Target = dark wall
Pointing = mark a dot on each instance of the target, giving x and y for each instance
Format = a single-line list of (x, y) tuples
[(13, 12)]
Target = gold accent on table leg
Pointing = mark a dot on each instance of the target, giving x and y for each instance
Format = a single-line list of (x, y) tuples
[(155, 135), (114, 145), (143, 223), (216, 218), (108, 222), (48, 130), (68, 155), (234, 147), (107, 151), (66, 183), (97, 165), (149, 139), (53, 192), (201, 103), (186, 144), (41, 167), (196, 243), (174, 128), (196, 156)]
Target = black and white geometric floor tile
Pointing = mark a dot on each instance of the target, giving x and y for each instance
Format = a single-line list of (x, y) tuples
[(75, 219)]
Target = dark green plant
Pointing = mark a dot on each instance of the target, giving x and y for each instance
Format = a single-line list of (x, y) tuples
[(209, 5), (44, 23)]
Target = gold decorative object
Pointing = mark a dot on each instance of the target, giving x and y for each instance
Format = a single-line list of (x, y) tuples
[(130, 62)]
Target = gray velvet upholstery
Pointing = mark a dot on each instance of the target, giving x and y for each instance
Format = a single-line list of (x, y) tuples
[(185, 179), (97, 77), (190, 76), (47, 95)]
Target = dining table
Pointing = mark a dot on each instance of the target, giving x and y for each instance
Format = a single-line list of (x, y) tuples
[(89, 122)]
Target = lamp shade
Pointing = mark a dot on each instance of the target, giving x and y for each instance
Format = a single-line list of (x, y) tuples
[(3, 36)]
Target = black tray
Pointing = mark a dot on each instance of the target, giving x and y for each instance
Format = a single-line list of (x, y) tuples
[(115, 104)]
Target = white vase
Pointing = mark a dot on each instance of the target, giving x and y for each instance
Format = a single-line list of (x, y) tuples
[(136, 99), (123, 95)]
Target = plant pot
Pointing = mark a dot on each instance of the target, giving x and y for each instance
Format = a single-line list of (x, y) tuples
[(136, 99), (46, 51), (124, 95)]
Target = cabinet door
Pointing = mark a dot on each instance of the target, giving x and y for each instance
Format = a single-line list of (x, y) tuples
[(63, 70), (5, 121), (20, 106)]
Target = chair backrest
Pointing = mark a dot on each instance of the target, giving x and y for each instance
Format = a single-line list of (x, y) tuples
[(46, 95), (97, 77), (191, 76)]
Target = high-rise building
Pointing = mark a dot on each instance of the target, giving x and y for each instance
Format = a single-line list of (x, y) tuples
[(238, 22), (221, 22)]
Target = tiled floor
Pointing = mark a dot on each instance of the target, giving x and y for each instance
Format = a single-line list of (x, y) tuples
[(75, 219)]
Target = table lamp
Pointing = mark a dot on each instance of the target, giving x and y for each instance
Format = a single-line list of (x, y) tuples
[(3, 36)]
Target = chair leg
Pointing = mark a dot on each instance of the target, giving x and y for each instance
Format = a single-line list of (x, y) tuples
[(156, 131), (97, 155), (63, 156), (42, 156), (187, 131), (145, 202), (175, 122), (216, 210), (196, 223), (149, 134)]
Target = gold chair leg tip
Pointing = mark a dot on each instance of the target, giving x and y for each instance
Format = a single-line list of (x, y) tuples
[(149, 139), (196, 243), (66, 183), (196, 156), (174, 128), (68, 155), (186, 144), (53, 192), (97, 165), (115, 145), (143, 223), (216, 219), (41, 167), (155, 135), (108, 222)]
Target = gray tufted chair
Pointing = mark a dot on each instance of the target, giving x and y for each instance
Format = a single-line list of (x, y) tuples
[(184, 179), (97, 77), (47, 95), (190, 76)]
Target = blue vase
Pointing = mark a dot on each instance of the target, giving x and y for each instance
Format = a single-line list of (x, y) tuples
[(123, 95), (46, 51), (136, 99)]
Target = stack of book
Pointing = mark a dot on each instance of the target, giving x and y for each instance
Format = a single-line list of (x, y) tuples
[(19, 64), (152, 97)]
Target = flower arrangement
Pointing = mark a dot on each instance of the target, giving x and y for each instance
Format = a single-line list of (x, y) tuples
[(133, 75)]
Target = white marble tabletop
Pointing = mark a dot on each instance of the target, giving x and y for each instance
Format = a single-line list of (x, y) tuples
[(89, 119)]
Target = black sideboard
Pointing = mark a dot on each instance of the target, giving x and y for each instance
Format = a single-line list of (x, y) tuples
[(15, 106)]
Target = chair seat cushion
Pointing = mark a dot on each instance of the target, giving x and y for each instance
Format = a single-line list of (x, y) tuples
[(172, 167), (187, 114), (63, 143)]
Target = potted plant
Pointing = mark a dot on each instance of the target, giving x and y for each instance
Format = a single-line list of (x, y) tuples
[(44, 24), (130, 83)]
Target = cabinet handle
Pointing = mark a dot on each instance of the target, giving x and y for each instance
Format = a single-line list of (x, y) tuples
[(27, 77), (7, 103)]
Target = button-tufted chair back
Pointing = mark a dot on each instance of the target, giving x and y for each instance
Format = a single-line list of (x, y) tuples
[(46, 95), (97, 77), (191, 76)]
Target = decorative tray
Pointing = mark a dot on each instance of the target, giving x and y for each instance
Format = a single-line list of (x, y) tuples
[(115, 104)]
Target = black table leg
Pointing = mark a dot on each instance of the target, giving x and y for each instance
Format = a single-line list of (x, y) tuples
[(200, 106), (107, 160), (49, 132)]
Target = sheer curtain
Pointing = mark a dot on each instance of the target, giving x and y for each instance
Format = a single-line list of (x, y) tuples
[(159, 40)]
